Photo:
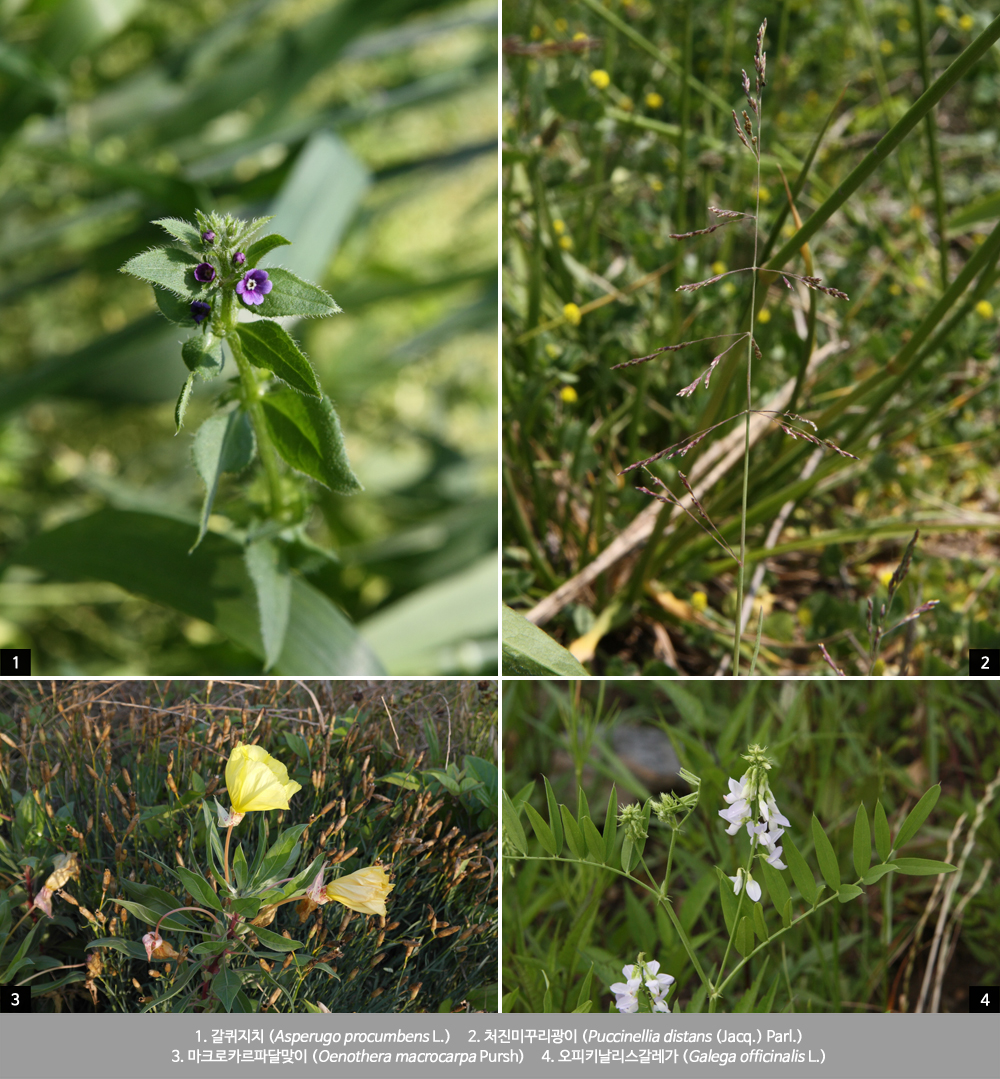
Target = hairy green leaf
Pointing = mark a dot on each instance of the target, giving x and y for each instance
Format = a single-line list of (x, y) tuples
[(223, 443), (256, 251), (306, 432), (182, 401), (181, 230), (202, 355), (529, 650), (170, 267), (176, 308), (290, 295), (269, 347), (268, 569)]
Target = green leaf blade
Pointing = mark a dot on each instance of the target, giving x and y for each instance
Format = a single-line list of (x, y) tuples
[(862, 842), (574, 837), (512, 824), (268, 569), (307, 435), (199, 888), (170, 267), (269, 347), (847, 892), (180, 230), (825, 855), (916, 817), (257, 250), (290, 295), (801, 873), (223, 443), (923, 867), (555, 819), (529, 650), (541, 829), (882, 842)]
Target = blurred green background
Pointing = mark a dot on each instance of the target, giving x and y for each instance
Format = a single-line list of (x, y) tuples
[(368, 127)]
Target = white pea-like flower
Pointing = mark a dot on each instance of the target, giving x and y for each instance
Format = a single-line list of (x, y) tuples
[(753, 888)]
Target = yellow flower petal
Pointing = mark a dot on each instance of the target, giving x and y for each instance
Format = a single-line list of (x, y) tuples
[(256, 781), (364, 890)]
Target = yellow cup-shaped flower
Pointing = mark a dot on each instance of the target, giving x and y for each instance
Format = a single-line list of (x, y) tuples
[(256, 781), (364, 890)]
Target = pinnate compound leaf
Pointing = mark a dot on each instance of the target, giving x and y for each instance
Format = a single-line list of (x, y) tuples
[(180, 230), (862, 841), (272, 581), (269, 347), (256, 251), (825, 855), (917, 815), (923, 867), (224, 443), (290, 295), (306, 432), (882, 842), (170, 267), (202, 354)]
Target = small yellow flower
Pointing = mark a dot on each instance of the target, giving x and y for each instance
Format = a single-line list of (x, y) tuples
[(552, 351), (536, 32), (718, 267), (558, 226), (921, 282), (256, 781), (579, 36), (966, 22), (364, 890), (627, 104), (572, 314), (561, 26), (566, 243), (903, 26), (765, 194), (569, 395), (805, 617), (763, 315), (885, 47), (885, 576), (656, 185), (895, 289), (984, 309), (699, 601), (944, 13), (653, 100), (600, 78)]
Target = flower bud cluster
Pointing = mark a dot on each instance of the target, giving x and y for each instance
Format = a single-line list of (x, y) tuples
[(632, 819)]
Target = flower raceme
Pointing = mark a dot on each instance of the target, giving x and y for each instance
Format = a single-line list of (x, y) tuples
[(643, 973), (750, 798)]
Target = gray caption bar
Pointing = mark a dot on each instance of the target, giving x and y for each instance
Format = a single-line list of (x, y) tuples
[(441, 1046)]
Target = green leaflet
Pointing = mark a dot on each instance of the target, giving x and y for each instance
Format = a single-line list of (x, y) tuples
[(267, 567), (170, 267), (847, 892), (542, 830), (256, 251), (269, 347), (882, 842), (917, 815), (923, 867), (202, 354), (307, 435), (182, 401), (181, 230), (512, 825), (224, 443), (862, 842), (290, 295), (878, 872), (801, 873), (825, 855)]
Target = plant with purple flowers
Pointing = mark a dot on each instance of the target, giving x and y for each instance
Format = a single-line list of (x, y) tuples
[(209, 281)]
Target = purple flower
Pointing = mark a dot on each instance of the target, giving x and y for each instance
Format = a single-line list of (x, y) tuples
[(254, 287), (204, 272), (239, 258), (208, 237), (200, 311)]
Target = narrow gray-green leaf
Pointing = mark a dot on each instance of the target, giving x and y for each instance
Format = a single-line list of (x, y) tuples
[(847, 892), (917, 815), (862, 841), (530, 650), (777, 889), (922, 867), (512, 825), (256, 251), (744, 936), (610, 825), (883, 844), (199, 888), (555, 820), (181, 230), (290, 295), (272, 581), (594, 839), (268, 346), (728, 899), (167, 266), (182, 401), (277, 942), (574, 837), (825, 855), (306, 432), (223, 443), (759, 924)]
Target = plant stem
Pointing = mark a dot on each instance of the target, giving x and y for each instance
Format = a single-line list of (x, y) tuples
[(251, 401), (229, 832)]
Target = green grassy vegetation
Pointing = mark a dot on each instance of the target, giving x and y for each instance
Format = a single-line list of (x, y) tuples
[(572, 920), (116, 774), (878, 175), (369, 130)]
